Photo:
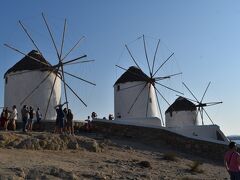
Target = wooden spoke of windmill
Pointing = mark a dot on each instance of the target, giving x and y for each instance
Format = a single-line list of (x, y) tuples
[(200, 105), (150, 79)]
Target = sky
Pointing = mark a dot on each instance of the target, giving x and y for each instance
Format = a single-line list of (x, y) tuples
[(204, 36)]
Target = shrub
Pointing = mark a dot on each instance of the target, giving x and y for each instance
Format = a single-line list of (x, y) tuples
[(170, 156), (145, 164), (195, 167)]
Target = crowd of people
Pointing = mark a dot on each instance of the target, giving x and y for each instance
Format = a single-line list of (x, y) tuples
[(9, 117), (64, 120), (28, 115)]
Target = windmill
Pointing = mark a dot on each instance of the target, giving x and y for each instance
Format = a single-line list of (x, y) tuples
[(200, 105), (56, 71), (138, 90)]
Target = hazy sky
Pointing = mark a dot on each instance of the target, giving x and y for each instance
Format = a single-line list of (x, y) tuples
[(204, 35)]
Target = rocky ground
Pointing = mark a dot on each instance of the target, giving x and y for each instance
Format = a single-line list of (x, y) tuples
[(41, 155)]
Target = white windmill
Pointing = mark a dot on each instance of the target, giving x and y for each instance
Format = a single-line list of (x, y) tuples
[(136, 93), (34, 81)]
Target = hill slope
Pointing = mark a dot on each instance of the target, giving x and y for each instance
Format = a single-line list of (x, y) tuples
[(90, 156)]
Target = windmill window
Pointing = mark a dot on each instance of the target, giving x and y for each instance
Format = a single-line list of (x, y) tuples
[(6, 80), (118, 87), (150, 100)]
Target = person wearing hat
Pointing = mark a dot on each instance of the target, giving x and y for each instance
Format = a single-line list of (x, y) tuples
[(232, 161)]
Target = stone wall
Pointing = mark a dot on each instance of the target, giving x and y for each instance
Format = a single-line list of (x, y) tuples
[(201, 148), (48, 126)]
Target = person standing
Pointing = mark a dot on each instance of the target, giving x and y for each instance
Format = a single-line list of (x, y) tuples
[(232, 161), (60, 118), (2, 119), (30, 119), (38, 117), (13, 117), (65, 111), (6, 116), (24, 112), (56, 129), (70, 125)]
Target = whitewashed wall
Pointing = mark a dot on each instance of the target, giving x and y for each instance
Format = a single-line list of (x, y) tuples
[(123, 99), (203, 132), (150, 121), (181, 119), (20, 85)]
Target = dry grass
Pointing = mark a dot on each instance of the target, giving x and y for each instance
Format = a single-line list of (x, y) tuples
[(186, 178), (145, 164), (170, 156), (195, 167)]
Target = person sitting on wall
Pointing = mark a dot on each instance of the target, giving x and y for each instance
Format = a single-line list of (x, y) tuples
[(118, 115), (110, 117), (232, 161), (94, 115)]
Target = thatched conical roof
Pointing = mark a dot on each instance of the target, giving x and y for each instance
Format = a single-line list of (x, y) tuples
[(131, 75), (181, 104), (28, 63)]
